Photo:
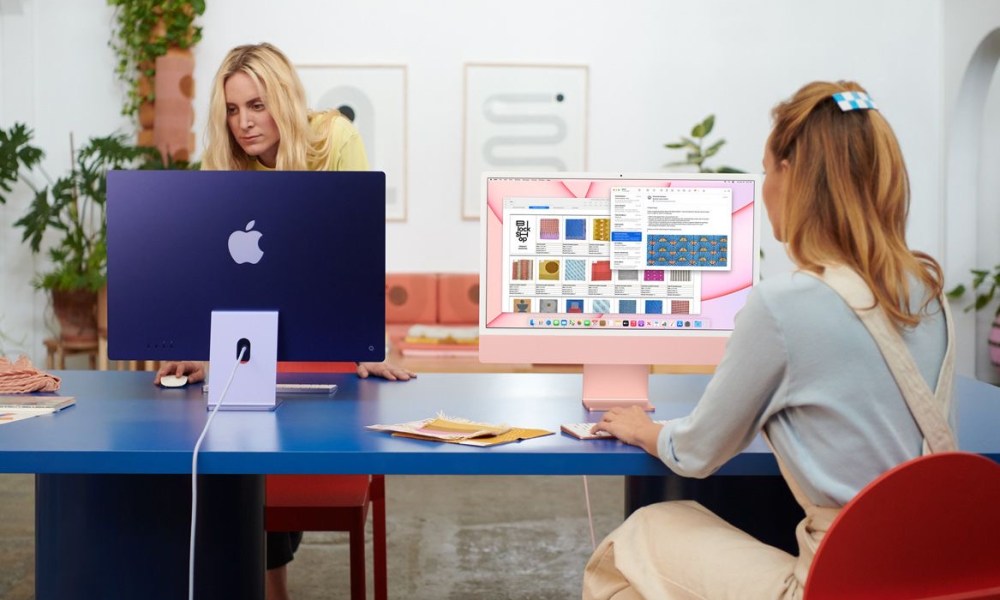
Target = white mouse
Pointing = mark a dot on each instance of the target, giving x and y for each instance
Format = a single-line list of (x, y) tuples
[(173, 381)]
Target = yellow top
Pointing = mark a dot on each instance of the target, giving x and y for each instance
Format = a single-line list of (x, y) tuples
[(347, 150)]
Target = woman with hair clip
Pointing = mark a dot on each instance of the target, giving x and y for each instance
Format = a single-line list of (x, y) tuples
[(258, 120), (817, 362)]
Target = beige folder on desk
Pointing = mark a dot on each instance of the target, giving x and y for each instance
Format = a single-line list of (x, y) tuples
[(460, 431)]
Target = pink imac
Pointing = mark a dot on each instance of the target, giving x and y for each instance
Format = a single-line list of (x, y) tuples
[(615, 272)]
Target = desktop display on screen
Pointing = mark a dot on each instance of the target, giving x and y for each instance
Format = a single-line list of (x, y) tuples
[(615, 272), (309, 245)]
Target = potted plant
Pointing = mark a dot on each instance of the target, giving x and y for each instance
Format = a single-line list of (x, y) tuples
[(697, 153), (985, 285), (73, 208)]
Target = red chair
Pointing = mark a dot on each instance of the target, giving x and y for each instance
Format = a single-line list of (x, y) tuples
[(929, 528), (332, 503)]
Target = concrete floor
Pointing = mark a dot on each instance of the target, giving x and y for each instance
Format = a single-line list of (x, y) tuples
[(461, 538)]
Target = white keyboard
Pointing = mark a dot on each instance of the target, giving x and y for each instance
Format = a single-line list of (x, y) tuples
[(582, 430)]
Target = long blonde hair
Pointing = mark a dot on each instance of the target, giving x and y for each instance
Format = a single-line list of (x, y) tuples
[(285, 99), (848, 197)]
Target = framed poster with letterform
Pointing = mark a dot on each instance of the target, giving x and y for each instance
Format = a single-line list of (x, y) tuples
[(522, 117), (373, 97)]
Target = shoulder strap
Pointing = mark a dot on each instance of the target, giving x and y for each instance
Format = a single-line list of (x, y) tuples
[(928, 408)]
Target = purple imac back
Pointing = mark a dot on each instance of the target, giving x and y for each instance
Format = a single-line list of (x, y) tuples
[(310, 245)]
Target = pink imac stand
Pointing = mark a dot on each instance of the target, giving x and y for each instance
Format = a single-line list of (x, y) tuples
[(607, 386)]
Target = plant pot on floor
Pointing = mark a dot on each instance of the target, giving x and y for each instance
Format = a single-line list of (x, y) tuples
[(76, 311)]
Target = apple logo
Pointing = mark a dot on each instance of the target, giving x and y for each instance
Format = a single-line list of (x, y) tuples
[(243, 245)]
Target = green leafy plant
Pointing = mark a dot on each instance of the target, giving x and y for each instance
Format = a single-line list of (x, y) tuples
[(697, 152), (144, 30), (72, 206), (985, 285)]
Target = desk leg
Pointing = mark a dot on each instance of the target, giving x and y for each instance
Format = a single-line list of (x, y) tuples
[(763, 506), (127, 536)]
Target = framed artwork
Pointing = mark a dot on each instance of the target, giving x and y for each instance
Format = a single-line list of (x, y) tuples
[(374, 98), (522, 118)]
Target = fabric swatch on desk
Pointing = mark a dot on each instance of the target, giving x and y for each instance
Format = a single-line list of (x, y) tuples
[(21, 377)]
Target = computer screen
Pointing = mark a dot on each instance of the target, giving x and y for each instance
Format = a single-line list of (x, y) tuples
[(615, 272), (309, 245)]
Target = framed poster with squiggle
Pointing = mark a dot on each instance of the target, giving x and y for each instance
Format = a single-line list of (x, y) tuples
[(522, 118)]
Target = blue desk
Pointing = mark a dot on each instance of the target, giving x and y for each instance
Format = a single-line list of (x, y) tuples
[(112, 467)]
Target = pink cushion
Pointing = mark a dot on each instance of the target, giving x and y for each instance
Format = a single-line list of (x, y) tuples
[(458, 298), (411, 298)]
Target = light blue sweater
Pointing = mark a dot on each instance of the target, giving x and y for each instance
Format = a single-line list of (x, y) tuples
[(801, 365)]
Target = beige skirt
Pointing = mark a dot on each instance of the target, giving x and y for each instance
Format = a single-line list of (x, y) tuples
[(683, 550)]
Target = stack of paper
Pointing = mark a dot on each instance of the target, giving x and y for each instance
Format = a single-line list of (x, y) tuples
[(16, 407), (460, 431)]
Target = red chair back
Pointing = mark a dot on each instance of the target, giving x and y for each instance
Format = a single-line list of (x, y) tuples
[(929, 528)]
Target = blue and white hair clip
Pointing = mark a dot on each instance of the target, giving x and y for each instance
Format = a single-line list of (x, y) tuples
[(854, 101)]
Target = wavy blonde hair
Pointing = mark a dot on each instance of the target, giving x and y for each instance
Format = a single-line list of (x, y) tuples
[(848, 197), (299, 149)]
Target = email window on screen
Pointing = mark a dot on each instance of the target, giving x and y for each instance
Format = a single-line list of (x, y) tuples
[(577, 269), (671, 228)]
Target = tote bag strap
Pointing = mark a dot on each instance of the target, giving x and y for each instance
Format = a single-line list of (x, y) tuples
[(928, 408)]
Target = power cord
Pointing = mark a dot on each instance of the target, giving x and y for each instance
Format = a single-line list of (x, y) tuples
[(194, 473), (590, 516)]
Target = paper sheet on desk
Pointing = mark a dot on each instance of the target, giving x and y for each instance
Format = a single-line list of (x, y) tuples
[(9, 415), (460, 431)]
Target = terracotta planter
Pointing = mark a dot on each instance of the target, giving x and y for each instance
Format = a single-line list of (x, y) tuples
[(173, 114), (994, 342), (76, 311)]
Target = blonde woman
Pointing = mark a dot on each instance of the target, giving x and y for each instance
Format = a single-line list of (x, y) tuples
[(258, 120), (813, 364)]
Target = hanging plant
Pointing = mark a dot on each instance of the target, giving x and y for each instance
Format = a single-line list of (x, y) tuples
[(143, 31)]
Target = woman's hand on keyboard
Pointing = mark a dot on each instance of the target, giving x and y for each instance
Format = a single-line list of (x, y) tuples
[(631, 425)]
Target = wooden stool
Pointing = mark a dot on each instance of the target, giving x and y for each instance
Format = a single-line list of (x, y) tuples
[(57, 350)]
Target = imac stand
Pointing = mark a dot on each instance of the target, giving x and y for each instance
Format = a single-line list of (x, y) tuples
[(608, 386), (253, 386)]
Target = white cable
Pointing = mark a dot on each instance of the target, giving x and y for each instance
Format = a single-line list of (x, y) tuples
[(590, 516), (194, 474)]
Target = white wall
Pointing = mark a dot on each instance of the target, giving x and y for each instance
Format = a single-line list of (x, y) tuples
[(57, 76), (656, 67), (971, 211)]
